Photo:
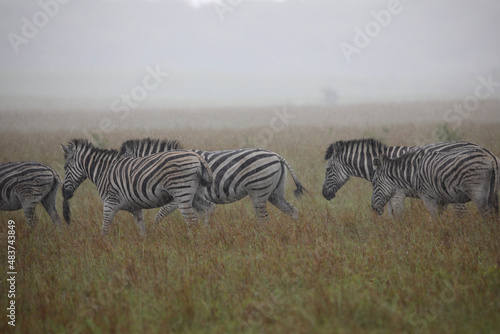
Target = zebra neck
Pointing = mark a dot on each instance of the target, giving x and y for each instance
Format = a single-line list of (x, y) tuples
[(405, 173), (359, 159), (97, 163)]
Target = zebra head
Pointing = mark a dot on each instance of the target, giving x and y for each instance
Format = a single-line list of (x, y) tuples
[(74, 173), (383, 186), (337, 173)]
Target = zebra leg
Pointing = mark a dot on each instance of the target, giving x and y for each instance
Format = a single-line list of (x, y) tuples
[(277, 198), (29, 212), (460, 209), (187, 213), (431, 205), (139, 220), (209, 213), (482, 204), (493, 200), (259, 205), (165, 211), (279, 201), (441, 208), (49, 203), (396, 204), (202, 206), (109, 213)]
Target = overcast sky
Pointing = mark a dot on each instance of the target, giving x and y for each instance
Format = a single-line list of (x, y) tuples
[(248, 51)]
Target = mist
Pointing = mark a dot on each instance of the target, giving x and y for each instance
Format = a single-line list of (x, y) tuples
[(89, 54)]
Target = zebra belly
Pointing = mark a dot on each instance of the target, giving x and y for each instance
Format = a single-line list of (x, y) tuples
[(221, 198), (156, 200), (261, 183), (454, 197), (453, 194), (11, 204)]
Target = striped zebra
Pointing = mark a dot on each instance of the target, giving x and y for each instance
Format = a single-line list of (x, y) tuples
[(355, 158), (439, 177), (258, 173), (133, 184), (25, 184)]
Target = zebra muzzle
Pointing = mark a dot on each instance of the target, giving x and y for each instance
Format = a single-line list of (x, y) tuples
[(378, 209), (67, 194), (328, 194)]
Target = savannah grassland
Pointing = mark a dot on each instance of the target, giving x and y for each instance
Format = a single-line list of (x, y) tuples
[(338, 269)]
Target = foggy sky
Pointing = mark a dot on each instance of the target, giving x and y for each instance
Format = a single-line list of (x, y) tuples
[(261, 51)]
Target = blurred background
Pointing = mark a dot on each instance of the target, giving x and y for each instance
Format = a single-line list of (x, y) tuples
[(84, 55)]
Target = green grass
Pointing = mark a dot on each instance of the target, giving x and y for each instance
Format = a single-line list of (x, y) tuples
[(339, 268)]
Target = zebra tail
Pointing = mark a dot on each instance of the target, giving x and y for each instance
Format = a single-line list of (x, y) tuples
[(494, 187), (299, 187), (66, 209), (207, 177)]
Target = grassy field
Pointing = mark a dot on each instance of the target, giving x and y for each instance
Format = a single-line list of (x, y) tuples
[(339, 268)]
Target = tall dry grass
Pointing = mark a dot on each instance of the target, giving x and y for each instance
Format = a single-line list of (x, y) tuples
[(339, 268)]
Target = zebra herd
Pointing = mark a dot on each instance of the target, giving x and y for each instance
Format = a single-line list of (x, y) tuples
[(150, 173)]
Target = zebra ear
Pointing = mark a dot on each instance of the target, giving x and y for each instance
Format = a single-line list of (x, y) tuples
[(129, 151), (333, 150), (376, 163), (329, 152), (337, 149), (65, 149)]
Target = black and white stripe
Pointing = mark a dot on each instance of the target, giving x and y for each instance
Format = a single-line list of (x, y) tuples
[(25, 184), (439, 177), (355, 158), (133, 184), (258, 173)]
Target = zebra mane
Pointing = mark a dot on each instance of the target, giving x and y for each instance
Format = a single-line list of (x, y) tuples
[(84, 144), (342, 145), (152, 145), (413, 153)]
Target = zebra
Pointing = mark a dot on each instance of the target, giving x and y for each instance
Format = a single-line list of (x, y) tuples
[(355, 158), (258, 173), (133, 184), (25, 184), (439, 177)]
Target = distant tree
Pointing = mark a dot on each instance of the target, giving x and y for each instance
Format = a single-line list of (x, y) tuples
[(330, 96)]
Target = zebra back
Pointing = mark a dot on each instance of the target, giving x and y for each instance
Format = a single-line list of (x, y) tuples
[(148, 146), (12, 173)]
